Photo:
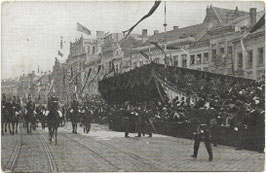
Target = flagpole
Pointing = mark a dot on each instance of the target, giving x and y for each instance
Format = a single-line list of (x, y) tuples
[(165, 24)]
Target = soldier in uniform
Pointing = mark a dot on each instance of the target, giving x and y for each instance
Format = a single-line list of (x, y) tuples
[(202, 134), (127, 115), (4, 114), (30, 114), (74, 114), (148, 126), (139, 121)]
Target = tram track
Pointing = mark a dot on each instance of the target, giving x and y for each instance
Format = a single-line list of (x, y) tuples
[(14, 155), (52, 163), (106, 162), (139, 159)]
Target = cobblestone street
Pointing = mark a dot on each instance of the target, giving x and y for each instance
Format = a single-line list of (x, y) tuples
[(103, 150)]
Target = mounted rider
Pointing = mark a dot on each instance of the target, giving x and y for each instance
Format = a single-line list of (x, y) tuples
[(30, 105), (30, 111)]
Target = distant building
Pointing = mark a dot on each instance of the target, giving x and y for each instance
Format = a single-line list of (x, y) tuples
[(213, 45)]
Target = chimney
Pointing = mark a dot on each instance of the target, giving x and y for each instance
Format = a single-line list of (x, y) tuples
[(175, 27), (99, 34), (156, 32), (144, 32), (252, 14)]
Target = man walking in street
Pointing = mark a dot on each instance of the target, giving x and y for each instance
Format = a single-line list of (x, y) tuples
[(202, 134)]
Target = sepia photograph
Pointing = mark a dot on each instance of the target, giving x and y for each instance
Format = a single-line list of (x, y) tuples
[(133, 86)]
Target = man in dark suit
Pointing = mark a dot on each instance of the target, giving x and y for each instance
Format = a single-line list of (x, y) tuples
[(202, 134)]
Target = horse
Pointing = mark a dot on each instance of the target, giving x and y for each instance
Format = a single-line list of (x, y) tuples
[(12, 118), (86, 115), (53, 120), (74, 118), (4, 114)]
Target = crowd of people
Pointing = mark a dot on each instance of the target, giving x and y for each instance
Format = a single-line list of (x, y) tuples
[(223, 102)]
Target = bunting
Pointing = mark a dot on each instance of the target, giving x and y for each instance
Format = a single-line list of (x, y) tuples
[(89, 72), (60, 53), (155, 6), (259, 24), (145, 55)]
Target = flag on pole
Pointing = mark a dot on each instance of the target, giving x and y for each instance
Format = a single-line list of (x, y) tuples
[(83, 29), (155, 6), (60, 53)]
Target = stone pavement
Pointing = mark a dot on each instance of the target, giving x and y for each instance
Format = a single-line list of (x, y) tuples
[(174, 153), (103, 150)]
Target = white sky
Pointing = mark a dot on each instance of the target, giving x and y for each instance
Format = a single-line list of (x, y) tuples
[(42, 23)]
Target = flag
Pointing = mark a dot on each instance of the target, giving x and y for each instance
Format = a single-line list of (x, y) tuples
[(159, 47), (51, 85), (144, 55), (244, 51), (71, 71), (83, 29), (99, 69), (155, 6), (259, 24), (89, 72), (59, 53), (64, 77), (61, 42)]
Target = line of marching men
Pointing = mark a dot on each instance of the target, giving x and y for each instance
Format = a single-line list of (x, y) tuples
[(14, 111)]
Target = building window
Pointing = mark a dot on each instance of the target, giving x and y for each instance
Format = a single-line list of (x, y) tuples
[(184, 60), (141, 63), (192, 59), (156, 60), (250, 59), (176, 60), (135, 64), (230, 50), (260, 56), (93, 50), (214, 51), (240, 60), (110, 66), (206, 57), (222, 53), (198, 59), (116, 68)]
